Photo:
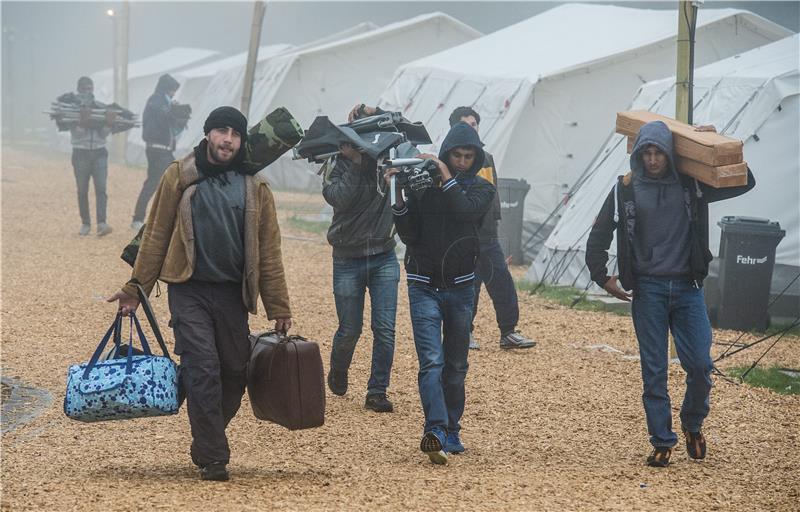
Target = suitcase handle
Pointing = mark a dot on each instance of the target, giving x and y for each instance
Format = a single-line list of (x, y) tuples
[(283, 340)]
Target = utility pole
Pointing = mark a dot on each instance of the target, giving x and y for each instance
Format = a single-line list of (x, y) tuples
[(259, 8), (120, 24), (684, 76), (687, 20), (122, 61)]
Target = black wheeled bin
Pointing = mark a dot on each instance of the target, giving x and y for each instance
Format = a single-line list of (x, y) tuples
[(512, 207), (747, 258)]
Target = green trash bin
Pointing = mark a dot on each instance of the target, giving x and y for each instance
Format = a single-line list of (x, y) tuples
[(512, 194)]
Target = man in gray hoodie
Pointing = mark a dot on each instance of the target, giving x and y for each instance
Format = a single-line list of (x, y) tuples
[(362, 236), (661, 223)]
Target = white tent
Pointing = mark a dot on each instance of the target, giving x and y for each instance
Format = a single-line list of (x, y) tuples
[(194, 81), (224, 86), (143, 74), (754, 97), (547, 88), (328, 79)]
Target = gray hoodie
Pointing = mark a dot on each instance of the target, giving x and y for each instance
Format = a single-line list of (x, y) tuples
[(661, 244)]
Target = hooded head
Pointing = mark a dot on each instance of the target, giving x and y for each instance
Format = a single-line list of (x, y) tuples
[(167, 85), (653, 151), (462, 136)]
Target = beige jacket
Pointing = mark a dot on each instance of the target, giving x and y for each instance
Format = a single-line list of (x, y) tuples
[(167, 249)]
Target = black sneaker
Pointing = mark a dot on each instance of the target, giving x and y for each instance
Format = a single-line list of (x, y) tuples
[(378, 402), (695, 444), (214, 471), (337, 382), (516, 340), (660, 457)]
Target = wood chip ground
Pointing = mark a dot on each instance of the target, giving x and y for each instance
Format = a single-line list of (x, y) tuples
[(557, 427)]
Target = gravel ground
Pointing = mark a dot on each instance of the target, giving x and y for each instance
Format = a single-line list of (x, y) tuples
[(560, 426)]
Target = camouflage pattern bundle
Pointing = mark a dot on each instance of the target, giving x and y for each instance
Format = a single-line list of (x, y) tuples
[(270, 138)]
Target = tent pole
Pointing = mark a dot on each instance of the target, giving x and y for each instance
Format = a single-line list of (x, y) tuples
[(259, 8)]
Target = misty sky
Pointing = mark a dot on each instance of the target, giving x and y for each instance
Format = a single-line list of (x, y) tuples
[(46, 46)]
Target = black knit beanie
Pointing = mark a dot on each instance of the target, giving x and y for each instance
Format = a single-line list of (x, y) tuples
[(221, 117)]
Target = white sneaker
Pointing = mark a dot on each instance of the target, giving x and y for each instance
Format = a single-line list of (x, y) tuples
[(85, 229), (103, 229), (137, 225)]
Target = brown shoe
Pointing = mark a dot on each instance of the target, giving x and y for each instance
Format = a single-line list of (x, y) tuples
[(695, 444), (660, 457)]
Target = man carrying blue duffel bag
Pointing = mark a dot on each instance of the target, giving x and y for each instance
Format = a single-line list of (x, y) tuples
[(212, 235)]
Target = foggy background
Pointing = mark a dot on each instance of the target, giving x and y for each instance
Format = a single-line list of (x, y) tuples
[(46, 46)]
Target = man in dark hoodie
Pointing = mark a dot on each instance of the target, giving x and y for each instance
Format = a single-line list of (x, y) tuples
[(158, 131), (440, 230), (492, 269), (213, 235), (363, 258), (661, 223)]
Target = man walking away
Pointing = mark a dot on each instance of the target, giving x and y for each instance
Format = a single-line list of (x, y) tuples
[(158, 131)]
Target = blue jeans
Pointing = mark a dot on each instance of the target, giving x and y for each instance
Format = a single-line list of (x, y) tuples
[(440, 318), (492, 270), (351, 278), (661, 305), (91, 164)]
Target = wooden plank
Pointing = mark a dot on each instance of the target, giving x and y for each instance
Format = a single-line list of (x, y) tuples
[(733, 175), (706, 147), (721, 176)]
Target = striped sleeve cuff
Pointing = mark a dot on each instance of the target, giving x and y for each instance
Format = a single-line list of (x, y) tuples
[(447, 185), (399, 213)]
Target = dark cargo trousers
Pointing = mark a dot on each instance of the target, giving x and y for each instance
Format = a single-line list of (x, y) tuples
[(211, 336), (157, 162)]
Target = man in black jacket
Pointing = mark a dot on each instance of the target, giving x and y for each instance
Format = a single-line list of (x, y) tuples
[(661, 223), (159, 132), (440, 229), (362, 237), (492, 269)]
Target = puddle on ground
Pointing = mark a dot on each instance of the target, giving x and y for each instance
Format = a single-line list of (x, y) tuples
[(21, 403)]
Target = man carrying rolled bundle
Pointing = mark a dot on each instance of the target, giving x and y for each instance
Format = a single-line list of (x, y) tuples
[(660, 219)]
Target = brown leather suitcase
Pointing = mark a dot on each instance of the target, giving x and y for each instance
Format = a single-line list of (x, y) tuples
[(285, 380)]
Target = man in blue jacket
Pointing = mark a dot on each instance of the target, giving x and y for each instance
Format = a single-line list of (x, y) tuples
[(661, 223), (440, 230), (158, 131)]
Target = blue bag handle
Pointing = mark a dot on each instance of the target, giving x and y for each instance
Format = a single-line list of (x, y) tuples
[(116, 326)]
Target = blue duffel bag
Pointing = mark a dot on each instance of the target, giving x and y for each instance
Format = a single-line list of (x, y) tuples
[(123, 386)]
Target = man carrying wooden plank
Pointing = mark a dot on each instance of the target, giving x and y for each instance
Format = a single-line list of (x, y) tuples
[(661, 223)]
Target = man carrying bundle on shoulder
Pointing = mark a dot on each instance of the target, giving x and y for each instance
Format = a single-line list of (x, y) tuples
[(661, 225)]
